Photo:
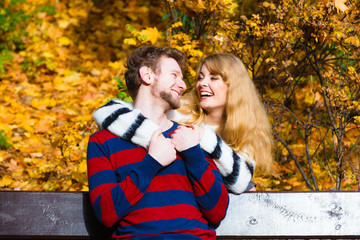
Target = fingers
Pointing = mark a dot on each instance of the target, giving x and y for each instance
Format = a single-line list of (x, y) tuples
[(157, 134), (196, 130), (185, 137), (182, 128), (162, 149), (194, 127)]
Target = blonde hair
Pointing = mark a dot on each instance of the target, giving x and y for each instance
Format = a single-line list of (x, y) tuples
[(244, 125)]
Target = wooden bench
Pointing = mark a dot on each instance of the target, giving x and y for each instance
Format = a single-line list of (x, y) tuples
[(68, 215)]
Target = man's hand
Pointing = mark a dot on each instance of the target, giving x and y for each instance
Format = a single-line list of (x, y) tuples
[(161, 149), (186, 137)]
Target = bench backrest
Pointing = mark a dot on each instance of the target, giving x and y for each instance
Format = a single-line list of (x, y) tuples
[(68, 215)]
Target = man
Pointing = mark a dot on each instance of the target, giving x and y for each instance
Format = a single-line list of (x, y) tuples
[(170, 191)]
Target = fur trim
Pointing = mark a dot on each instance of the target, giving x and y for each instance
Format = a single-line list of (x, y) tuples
[(230, 164), (176, 116), (126, 122)]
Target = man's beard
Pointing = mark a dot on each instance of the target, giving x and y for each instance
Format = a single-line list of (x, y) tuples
[(170, 100), (167, 96)]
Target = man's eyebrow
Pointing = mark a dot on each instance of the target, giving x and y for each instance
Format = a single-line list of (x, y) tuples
[(177, 72)]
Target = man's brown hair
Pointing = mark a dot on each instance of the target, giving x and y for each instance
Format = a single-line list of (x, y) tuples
[(148, 56)]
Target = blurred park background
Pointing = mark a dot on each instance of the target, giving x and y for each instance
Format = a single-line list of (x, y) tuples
[(62, 59)]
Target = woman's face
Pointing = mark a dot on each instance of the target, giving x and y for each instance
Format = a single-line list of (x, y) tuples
[(211, 90)]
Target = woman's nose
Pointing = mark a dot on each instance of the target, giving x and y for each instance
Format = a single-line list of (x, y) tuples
[(204, 82)]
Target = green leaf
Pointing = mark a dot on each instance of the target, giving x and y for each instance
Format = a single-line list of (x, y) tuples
[(165, 16)]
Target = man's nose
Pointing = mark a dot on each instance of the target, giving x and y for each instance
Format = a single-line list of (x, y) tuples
[(181, 84)]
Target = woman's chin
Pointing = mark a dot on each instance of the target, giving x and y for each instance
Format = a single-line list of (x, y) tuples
[(204, 105)]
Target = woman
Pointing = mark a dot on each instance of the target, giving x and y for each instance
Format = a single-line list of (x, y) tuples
[(224, 101)]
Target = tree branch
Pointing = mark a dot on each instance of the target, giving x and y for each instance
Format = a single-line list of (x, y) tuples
[(296, 161)]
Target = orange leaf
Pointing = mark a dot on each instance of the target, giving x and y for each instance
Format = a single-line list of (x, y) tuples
[(151, 34), (43, 125)]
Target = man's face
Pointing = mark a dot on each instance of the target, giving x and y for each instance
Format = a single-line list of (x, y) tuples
[(169, 82)]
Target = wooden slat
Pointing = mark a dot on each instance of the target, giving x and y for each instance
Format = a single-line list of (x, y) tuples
[(293, 214), (63, 214), (68, 215)]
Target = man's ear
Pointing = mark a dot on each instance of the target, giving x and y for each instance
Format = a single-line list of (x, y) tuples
[(146, 74)]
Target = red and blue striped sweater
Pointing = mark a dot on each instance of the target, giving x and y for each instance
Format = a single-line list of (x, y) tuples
[(129, 188)]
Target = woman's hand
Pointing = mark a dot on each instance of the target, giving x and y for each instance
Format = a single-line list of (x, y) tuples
[(161, 149), (186, 137)]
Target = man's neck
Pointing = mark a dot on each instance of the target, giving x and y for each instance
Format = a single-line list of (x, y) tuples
[(154, 112)]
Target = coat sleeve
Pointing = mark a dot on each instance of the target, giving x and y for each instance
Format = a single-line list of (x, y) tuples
[(207, 184), (121, 119), (235, 170), (113, 196)]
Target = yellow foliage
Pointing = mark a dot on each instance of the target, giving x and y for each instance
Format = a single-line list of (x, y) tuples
[(130, 41), (5, 181), (69, 61), (150, 34), (65, 41), (357, 119), (177, 24)]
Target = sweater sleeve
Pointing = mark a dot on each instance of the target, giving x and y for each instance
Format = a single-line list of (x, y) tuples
[(207, 184), (236, 171), (112, 198)]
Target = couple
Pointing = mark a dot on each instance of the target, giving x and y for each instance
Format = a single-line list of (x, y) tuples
[(166, 180)]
